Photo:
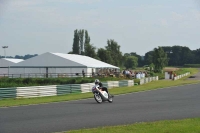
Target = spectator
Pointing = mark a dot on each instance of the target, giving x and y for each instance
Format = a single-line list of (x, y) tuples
[(124, 72), (93, 74), (83, 73)]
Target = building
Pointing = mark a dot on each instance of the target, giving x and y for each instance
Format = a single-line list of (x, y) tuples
[(59, 65), (5, 63)]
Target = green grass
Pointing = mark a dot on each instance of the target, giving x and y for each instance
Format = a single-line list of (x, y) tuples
[(123, 90), (168, 126)]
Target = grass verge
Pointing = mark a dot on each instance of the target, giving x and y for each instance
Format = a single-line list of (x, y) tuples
[(115, 91), (167, 126)]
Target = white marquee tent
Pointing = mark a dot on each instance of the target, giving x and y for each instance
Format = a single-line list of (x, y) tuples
[(58, 64), (5, 63)]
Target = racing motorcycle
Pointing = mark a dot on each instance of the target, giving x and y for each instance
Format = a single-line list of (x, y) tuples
[(101, 96)]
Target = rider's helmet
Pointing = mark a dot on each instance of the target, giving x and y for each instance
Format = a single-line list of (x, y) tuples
[(96, 81)]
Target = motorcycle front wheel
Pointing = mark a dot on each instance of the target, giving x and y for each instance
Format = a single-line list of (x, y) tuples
[(98, 98)]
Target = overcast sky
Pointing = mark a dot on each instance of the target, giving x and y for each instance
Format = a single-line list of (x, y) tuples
[(39, 26)]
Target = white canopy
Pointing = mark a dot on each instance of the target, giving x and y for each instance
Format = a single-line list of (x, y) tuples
[(5, 62), (63, 60)]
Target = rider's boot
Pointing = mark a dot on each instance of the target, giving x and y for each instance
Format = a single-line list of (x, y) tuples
[(109, 95)]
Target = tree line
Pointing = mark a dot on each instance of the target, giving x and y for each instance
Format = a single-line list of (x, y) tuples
[(157, 58), (25, 57)]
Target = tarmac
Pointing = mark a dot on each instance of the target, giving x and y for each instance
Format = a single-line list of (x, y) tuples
[(195, 76)]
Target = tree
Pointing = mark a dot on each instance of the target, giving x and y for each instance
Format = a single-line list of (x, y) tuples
[(81, 35), (148, 58), (160, 59), (76, 47), (131, 62), (115, 52), (196, 56), (87, 38), (28, 56), (90, 51), (104, 56), (70, 52)]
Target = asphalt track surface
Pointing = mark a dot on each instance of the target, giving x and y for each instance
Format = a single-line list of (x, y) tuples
[(162, 104)]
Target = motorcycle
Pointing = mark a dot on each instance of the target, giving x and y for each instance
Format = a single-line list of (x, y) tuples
[(101, 96)]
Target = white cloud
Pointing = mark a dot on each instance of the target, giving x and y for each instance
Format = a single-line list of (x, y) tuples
[(177, 17)]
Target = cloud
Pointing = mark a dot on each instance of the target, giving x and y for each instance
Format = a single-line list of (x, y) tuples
[(177, 17), (35, 12)]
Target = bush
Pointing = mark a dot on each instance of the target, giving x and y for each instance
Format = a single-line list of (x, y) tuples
[(21, 82), (137, 81), (192, 65)]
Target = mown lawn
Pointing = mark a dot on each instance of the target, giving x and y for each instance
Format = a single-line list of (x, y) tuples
[(167, 126)]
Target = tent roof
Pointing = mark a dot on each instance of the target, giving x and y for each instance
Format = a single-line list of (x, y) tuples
[(63, 60), (6, 62), (85, 60), (13, 60)]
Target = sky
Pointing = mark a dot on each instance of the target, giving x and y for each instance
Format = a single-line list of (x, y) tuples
[(39, 26)]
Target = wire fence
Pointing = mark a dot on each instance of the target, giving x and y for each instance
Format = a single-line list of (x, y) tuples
[(58, 75)]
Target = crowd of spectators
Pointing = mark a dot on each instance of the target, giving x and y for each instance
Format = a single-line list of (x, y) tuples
[(137, 75)]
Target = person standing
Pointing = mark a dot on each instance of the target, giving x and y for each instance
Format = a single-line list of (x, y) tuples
[(83, 73)]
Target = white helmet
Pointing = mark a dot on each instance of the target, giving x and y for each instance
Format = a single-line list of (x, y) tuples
[(96, 81)]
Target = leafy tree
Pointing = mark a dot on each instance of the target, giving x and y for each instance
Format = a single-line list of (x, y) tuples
[(81, 36), (70, 52), (76, 47), (151, 66), (196, 56), (131, 62), (115, 52), (28, 56), (104, 56), (148, 58), (87, 38), (140, 58), (160, 59), (90, 50)]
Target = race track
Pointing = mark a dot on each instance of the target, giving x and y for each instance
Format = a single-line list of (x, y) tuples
[(163, 104)]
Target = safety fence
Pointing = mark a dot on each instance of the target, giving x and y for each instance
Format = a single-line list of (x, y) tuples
[(182, 75), (58, 75), (148, 79), (55, 90)]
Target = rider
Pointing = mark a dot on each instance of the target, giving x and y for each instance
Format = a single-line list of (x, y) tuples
[(97, 82)]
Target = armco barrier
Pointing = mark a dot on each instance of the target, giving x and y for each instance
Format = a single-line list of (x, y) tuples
[(130, 82), (7, 93), (182, 75), (86, 87), (113, 84), (123, 83), (36, 91), (53, 90), (142, 81), (68, 88), (110, 84), (147, 80)]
